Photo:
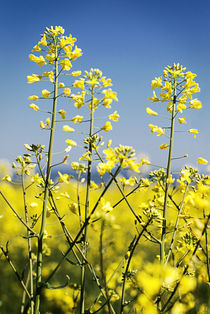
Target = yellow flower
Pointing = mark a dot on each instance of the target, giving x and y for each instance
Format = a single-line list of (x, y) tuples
[(77, 119), (202, 161), (36, 48), (42, 125), (181, 107), (131, 181), (76, 73), (34, 78), (66, 64), (170, 180), (79, 84), (107, 126), (109, 94), (195, 104), (61, 85), (114, 116), (163, 146), (67, 91), (67, 41), (182, 120), (34, 107), (33, 97), (50, 75), (194, 132), (45, 93), (62, 113), (157, 82), (43, 40), (151, 112), (76, 53), (63, 178), (68, 128), (74, 208), (48, 121), (155, 128), (107, 102), (39, 60), (106, 82), (86, 156), (71, 142), (109, 143), (7, 178), (154, 98), (145, 161)]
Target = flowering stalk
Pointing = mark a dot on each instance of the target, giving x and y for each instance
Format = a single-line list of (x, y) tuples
[(46, 191)]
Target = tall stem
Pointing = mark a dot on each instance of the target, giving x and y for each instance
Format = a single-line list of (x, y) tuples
[(83, 270), (46, 192), (162, 245), (29, 248)]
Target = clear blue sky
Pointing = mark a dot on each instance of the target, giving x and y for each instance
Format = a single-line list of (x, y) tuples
[(131, 42)]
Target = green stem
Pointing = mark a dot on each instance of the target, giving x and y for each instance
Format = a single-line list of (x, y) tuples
[(46, 192), (163, 235), (29, 247), (83, 270), (128, 265)]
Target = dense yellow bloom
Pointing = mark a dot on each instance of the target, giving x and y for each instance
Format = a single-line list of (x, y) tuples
[(114, 116), (39, 60), (34, 107), (66, 64), (194, 132), (77, 119), (45, 93), (71, 142), (76, 73), (67, 91), (107, 126), (195, 104), (79, 84), (62, 113), (109, 94), (155, 128), (163, 146), (34, 78), (68, 128), (202, 161), (33, 97), (157, 82), (182, 120), (151, 112)]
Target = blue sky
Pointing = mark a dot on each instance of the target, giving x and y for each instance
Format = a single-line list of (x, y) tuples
[(131, 42)]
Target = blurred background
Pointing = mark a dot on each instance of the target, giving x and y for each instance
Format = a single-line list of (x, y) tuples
[(129, 41)]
